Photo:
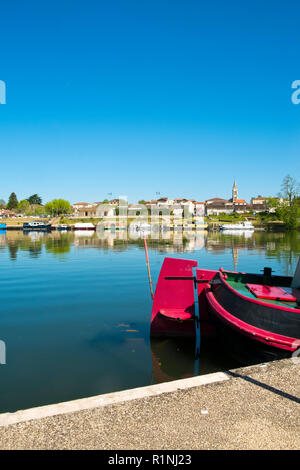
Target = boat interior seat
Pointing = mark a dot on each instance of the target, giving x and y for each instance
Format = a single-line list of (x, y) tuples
[(177, 313)]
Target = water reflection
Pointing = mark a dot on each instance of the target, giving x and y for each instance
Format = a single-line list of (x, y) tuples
[(172, 359), (113, 335), (282, 247), (175, 358), (58, 246), (81, 327), (13, 249)]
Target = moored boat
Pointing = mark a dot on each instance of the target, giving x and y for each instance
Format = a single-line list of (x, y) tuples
[(241, 226), (84, 226), (63, 227), (173, 312), (40, 226), (260, 310), (2, 226)]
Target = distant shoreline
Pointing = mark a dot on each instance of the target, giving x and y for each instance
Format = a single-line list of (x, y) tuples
[(108, 222)]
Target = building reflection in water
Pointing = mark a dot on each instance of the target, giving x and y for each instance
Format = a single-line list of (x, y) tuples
[(284, 247)]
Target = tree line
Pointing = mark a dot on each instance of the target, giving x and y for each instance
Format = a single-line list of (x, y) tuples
[(33, 205), (287, 204)]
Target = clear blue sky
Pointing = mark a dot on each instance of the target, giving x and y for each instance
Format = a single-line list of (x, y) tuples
[(138, 97)]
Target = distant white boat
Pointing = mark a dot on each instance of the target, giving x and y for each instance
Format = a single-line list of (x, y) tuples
[(241, 226)]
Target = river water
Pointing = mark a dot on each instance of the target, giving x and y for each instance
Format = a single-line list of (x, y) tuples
[(75, 309)]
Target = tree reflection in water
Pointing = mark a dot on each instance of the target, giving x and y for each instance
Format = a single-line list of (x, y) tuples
[(284, 247)]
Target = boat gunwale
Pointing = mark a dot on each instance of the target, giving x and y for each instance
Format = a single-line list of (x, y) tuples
[(222, 274), (267, 337)]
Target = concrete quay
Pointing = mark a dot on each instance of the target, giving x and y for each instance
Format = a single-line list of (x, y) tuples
[(255, 407)]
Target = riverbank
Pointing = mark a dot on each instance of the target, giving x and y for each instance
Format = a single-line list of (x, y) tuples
[(254, 407), (107, 224), (211, 223)]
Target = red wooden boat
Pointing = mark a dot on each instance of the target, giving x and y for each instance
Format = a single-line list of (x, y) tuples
[(260, 310), (173, 312)]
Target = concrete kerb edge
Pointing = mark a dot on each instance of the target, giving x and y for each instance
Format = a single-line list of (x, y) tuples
[(7, 419)]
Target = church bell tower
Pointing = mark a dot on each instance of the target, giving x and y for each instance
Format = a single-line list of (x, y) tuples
[(234, 192)]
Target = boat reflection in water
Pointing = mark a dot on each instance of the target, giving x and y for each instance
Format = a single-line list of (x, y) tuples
[(172, 358), (84, 233), (240, 233), (34, 236), (176, 358)]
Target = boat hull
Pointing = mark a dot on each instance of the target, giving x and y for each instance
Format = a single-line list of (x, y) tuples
[(253, 329), (272, 330), (41, 228), (234, 227), (245, 349)]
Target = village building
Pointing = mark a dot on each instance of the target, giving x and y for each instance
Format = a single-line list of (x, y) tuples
[(80, 205), (7, 213), (164, 202), (177, 207), (86, 212), (259, 204), (106, 210), (199, 209), (217, 206), (259, 200), (96, 209), (188, 207)]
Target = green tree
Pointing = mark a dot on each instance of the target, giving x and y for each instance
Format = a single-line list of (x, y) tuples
[(289, 213), (287, 204), (35, 209), (272, 203), (2, 203), (290, 188), (35, 199), (23, 206), (12, 202), (58, 207)]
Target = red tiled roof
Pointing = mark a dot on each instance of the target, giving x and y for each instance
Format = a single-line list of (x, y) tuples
[(7, 212), (216, 199)]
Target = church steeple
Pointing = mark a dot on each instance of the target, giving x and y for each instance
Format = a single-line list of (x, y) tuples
[(234, 192)]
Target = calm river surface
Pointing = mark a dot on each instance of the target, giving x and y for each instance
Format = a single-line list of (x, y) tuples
[(75, 310)]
